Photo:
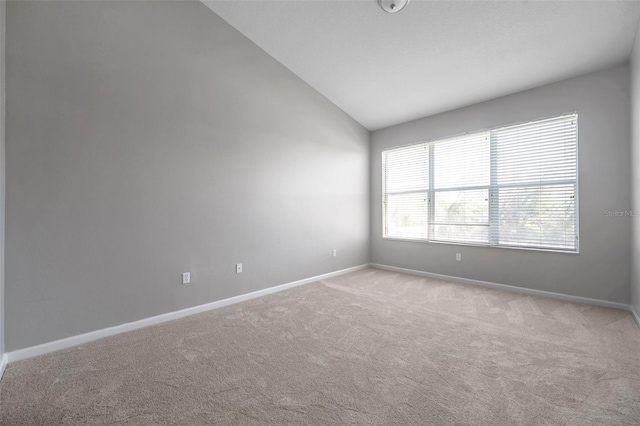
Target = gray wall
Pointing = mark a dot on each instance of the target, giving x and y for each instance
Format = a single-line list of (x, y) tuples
[(145, 139), (601, 270), (3, 8), (635, 174)]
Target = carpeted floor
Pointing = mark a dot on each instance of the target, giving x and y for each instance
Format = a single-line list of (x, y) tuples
[(372, 347)]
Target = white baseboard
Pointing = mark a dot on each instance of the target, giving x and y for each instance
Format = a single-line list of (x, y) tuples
[(634, 314), (158, 319), (524, 290), (4, 360)]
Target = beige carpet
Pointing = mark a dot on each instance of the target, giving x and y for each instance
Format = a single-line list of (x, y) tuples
[(371, 347)]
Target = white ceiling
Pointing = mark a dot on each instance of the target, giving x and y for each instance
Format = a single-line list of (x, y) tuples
[(433, 56)]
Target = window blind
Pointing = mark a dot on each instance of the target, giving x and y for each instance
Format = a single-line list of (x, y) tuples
[(460, 191), (406, 188), (536, 184), (515, 186)]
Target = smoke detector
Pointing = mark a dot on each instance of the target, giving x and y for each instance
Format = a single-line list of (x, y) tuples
[(393, 6)]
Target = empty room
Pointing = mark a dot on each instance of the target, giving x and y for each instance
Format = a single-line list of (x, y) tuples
[(372, 212)]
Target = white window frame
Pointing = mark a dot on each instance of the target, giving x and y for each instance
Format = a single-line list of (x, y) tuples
[(492, 188)]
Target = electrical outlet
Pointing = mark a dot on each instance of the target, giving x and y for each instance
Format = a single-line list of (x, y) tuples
[(238, 268), (458, 257), (186, 277), (335, 252)]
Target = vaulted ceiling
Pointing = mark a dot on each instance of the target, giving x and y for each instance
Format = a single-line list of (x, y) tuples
[(384, 69)]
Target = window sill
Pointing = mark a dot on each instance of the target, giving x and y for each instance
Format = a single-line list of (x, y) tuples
[(418, 240)]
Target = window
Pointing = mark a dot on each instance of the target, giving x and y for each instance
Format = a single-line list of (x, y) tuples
[(515, 186)]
